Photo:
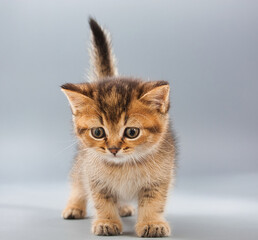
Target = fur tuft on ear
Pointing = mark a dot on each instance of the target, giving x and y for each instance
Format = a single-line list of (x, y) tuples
[(78, 101), (157, 98)]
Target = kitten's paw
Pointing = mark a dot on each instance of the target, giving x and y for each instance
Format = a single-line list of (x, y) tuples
[(126, 211), (106, 227), (152, 229), (73, 213)]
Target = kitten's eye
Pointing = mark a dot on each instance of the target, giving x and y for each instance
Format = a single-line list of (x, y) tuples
[(131, 132), (98, 132)]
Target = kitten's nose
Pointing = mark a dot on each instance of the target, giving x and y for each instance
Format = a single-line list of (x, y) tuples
[(114, 150)]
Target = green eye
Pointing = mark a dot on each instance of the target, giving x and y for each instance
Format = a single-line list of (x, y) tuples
[(131, 132), (98, 132)]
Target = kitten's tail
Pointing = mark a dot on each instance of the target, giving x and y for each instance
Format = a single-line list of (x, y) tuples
[(102, 60)]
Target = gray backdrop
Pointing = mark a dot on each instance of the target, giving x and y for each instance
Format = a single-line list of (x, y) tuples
[(207, 50)]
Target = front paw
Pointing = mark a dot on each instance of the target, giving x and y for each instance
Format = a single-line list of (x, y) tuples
[(106, 227), (152, 229)]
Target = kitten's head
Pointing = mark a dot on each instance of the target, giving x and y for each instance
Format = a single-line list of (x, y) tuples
[(119, 119)]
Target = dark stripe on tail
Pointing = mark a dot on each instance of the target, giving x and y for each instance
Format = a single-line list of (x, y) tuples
[(102, 59)]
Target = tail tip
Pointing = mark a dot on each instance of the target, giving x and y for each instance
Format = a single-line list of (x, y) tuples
[(94, 26)]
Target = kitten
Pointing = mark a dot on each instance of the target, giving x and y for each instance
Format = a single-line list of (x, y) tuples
[(126, 148)]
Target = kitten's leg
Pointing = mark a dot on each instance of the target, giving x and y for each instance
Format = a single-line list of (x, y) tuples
[(107, 220), (76, 206), (125, 210), (150, 222)]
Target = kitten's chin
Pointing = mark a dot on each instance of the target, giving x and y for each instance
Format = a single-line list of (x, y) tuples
[(115, 159), (120, 158)]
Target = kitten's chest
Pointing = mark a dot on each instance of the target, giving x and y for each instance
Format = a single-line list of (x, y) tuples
[(126, 183)]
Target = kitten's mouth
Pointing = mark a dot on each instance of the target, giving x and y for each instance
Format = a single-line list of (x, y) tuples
[(116, 156)]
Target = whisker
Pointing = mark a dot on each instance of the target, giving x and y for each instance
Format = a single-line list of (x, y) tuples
[(74, 142)]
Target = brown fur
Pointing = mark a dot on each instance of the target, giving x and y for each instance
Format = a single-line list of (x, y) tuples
[(143, 167)]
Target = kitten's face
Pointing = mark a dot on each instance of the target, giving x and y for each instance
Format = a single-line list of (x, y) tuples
[(132, 136), (115, 124)]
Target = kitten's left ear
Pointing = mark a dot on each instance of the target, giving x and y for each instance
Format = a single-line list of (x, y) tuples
[(157, 98)]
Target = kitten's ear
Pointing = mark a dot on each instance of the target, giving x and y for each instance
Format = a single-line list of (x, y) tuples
[(157, 98), (78, 101)]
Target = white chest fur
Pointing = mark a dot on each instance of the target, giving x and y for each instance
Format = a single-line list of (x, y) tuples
[(125, 182)]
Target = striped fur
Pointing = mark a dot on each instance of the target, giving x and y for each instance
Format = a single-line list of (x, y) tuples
[(102, 59)]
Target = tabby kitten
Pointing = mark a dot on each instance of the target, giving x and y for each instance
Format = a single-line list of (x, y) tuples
[(126, 148)]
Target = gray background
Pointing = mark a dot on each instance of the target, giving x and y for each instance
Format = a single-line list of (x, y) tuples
[(207, 50)]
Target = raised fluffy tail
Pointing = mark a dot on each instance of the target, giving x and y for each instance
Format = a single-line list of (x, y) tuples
[(102, 59)]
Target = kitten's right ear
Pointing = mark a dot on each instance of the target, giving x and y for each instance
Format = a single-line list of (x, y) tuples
[(78, 101)]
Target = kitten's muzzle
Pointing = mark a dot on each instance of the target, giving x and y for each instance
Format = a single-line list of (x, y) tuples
[(114, 150)]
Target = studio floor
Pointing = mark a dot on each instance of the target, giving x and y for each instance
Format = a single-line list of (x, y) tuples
[(213, 208)]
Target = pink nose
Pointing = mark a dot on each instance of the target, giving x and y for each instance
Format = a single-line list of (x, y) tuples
[(114, 150)]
